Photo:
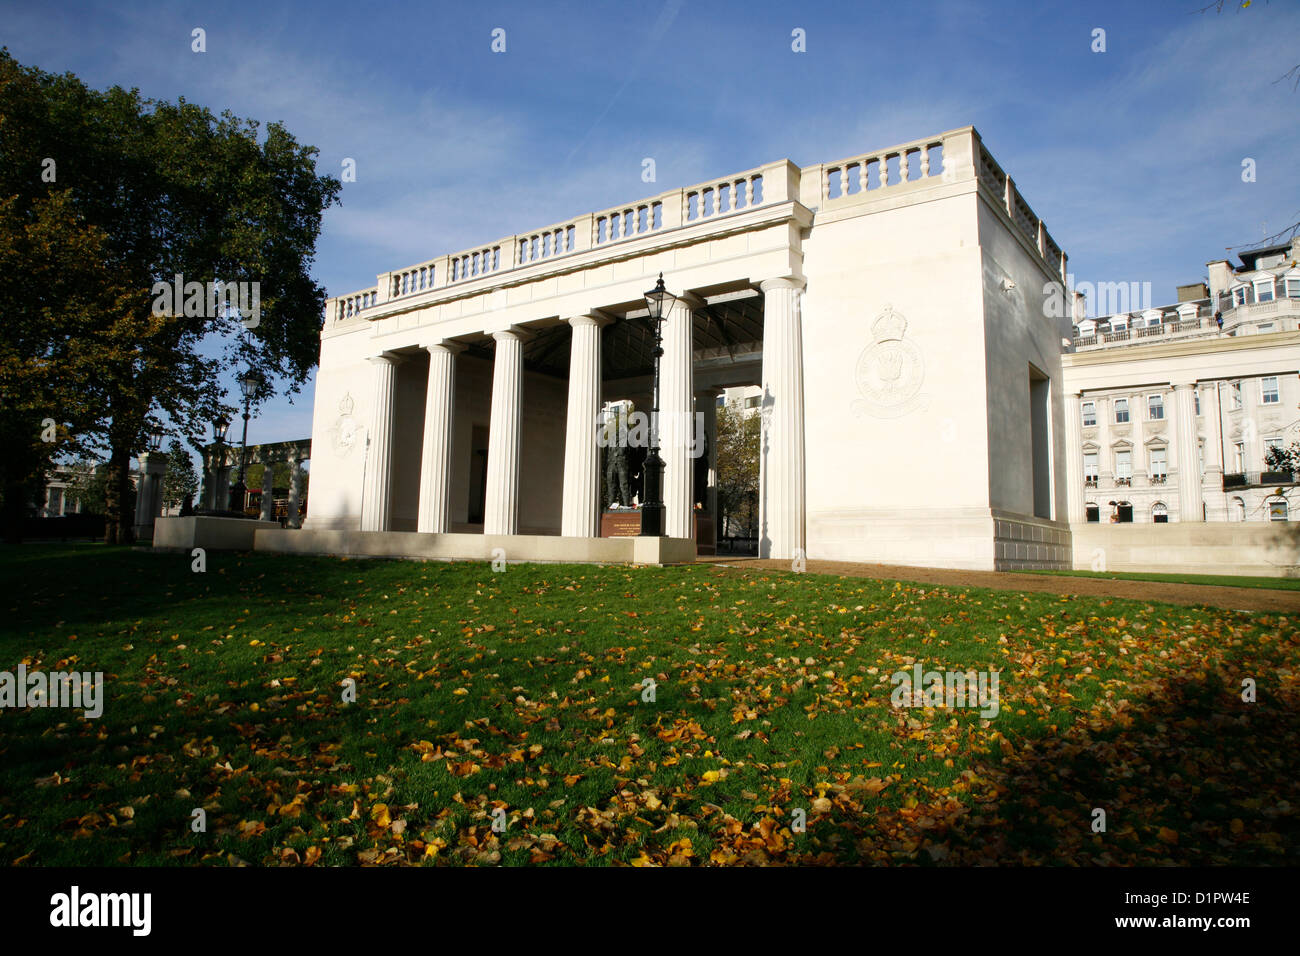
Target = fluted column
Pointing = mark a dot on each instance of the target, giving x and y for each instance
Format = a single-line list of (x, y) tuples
[(435, 457), (1189, 478), (580, 514), (268, 491), (1216, 506), (501, 509), (295, 490), (1074, 457), (376, 489), (677, 403), (148, 502), (781, 458), (706, 404)]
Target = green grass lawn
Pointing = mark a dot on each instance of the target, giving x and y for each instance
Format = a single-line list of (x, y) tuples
[(519, 696), (1222, 580)]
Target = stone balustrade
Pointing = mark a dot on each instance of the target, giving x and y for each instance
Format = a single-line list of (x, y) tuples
[(955, 156)]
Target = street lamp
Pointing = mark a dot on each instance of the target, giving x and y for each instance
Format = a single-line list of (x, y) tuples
[(249, 383), (156, 435), (658, 301)]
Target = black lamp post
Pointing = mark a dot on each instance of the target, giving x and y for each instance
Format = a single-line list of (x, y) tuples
[(249, 383), (156, 435), (220, 428), (658, 301)]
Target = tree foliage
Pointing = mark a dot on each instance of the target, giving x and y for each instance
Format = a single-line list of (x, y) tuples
[(739, 436), (181, 480), (102, 195)]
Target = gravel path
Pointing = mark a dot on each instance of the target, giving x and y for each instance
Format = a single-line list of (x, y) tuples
[(1237, 599)]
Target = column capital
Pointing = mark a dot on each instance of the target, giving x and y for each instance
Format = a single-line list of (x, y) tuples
[(446, 345), (386, 358), (782, 282), (691, 301), (594, 317), (511, 332)]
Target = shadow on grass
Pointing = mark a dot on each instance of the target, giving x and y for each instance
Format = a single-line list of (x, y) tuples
[(1189, 775)]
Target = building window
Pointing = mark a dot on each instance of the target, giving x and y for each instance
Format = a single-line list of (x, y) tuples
[(1293, 288), (1239, 295), (1159, 464), (1268, 392), (1264, 290), (1159, 513), (1090, 467), (1235, 388), (752, 401), (1124, 465), (1239, 457), (1277, 510), (1238, 510), (1155, 407), (1265, 327), (1092, 513), (1121, 411), (1196, 396), (1124, 512), (1089, 413)]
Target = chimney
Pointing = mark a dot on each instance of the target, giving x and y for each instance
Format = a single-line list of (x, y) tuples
[(1220, 276)]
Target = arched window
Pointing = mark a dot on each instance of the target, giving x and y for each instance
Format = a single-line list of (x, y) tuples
[(1159, 513), (1124, 512), (1092, 512), (1238, 510)]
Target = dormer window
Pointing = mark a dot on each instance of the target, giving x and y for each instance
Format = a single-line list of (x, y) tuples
[(1239, 295), (1264, 289), (1293, 287)]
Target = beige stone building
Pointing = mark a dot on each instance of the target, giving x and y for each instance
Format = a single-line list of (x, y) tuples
[(1171, 410)]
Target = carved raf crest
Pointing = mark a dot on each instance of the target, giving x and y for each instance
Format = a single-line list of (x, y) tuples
[(890, 371), (346, 430)]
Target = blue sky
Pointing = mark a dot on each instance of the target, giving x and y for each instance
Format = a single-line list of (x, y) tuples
[(1132, 156)]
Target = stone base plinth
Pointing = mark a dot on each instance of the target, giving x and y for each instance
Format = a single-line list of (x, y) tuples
[(478, 547), (209, 533)]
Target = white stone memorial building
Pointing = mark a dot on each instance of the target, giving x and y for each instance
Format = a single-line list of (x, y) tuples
[(888, 305)]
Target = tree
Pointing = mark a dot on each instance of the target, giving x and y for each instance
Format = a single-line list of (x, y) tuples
[(134, 192), (88, 483), (1285, 460), (181, 480), (738, 435)]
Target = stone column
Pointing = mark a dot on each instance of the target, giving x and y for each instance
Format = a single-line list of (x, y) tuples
[(435, 458), (501, 509), (295, 490), (677, 394), (268, 490), (221, 500), (706, 404), (580, 515), (781, 458), (1216, 504), (208, 493), (1074, 458), (148, 499), (1189, 479), (376, 489)]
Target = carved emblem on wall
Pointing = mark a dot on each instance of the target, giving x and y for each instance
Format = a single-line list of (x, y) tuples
[(890, 371), (345, 433)]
